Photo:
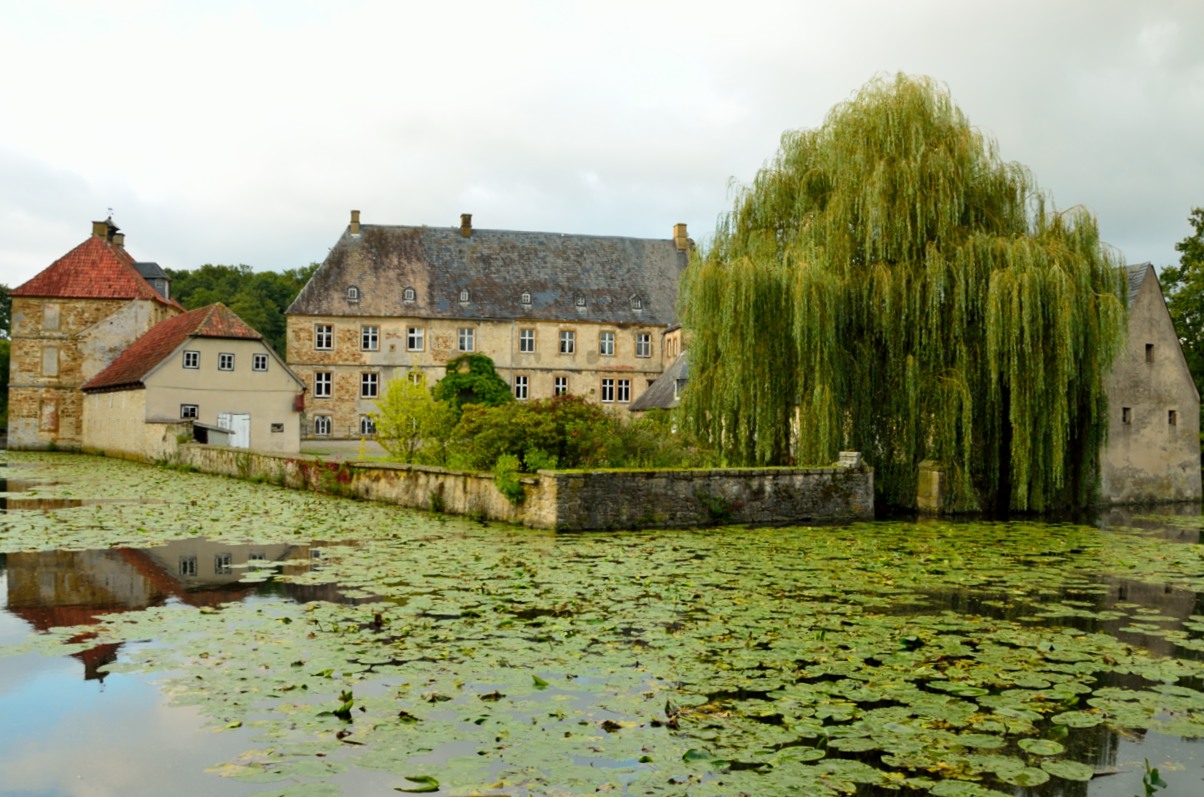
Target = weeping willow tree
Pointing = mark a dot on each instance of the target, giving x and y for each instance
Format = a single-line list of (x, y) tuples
[(888, 284)]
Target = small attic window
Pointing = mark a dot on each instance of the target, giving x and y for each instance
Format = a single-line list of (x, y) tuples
[(464, 296), (353, 294), (637, 303), (581, 301), (408, 295), (525, 298)]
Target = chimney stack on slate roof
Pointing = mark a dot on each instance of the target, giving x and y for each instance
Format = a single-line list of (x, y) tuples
[(680, 239), (466, 225), (355, 222)]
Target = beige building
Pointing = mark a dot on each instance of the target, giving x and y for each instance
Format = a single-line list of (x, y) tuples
[(205, 367), (69, 323), (557, 314), (1153, 449)]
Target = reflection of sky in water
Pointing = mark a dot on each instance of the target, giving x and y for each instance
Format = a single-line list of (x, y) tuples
[(63, 736)]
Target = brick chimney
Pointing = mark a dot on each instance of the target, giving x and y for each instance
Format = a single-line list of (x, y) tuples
[(680, 239), (466, 225), (355, 222)]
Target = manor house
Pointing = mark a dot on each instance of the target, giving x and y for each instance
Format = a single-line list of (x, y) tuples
[(557, 313)]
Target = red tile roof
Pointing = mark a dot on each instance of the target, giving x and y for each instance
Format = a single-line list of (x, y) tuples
[(96, 269), (129, 369)]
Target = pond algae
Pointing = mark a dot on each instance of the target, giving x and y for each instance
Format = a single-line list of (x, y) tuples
[(465, 658)]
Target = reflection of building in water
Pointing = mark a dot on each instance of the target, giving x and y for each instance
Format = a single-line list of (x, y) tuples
[(53, 589)]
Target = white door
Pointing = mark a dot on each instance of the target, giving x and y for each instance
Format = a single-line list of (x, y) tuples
[(239, 424)]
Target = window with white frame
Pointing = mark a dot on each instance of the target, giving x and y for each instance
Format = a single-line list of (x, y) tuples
[(624, 391), (415, 339), (580, 301), (468, 339), (259, 362), (637, 303), (606, 344), (409, 295), (370, 338), (520, 387), (416, 377), (464, 296), (225, 361), (189, 411), (526, 340), (560, 386), (568, 341), (353, 294), (323, 337), (643, 345), (608, 390), (525, 298), (192, 359), (322, 425), (369, 384), (323, 384), (188, 566), (223, 564), (367, 425)]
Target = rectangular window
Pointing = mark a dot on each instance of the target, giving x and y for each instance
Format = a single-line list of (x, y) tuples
[(323, 337), (643, 345), (188, 411), (322, 425), (520, 387), (568, 341), (1149, 352), (192, 359), (277, 427), (560, 386), (368, 385), (1171, 417), (468, 339), (223, 564), (415, 339), (367, 425), (624, 391), (188, 566), (225, 361), (606, 344), (323, 382), (415, 377), (526, 340), (608, 390), (369, 338), (1126, 415), (259, 362)]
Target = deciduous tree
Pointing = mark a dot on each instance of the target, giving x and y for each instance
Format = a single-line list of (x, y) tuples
[(888, 284), (411, 424), (1184, 286)]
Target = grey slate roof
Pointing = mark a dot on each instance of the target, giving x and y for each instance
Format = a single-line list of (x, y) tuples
[(1136, 275), (662, 394), (610, 275)]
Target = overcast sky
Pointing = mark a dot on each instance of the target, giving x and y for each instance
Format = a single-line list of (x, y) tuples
[(245, 132)]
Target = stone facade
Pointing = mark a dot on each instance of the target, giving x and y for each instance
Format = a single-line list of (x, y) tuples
[(1153, 449), (57, 345), (556, 313)]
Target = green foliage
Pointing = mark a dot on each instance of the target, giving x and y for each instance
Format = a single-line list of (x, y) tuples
[(6, 311), (5, 353), (1151, 781), (564, 432), (505, 474), (472, 379), (1184, 286), (887, 284), (411, 424), (258, 297)]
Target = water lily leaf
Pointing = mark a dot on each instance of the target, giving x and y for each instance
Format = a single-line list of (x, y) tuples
[(1068, 770), (423, 783), (1026, 776), (1040, 746)]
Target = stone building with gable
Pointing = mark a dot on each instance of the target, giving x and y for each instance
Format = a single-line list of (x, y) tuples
[(69, 322), (557, 313)]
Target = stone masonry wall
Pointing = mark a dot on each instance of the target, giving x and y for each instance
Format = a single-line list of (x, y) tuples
[(573, 501)]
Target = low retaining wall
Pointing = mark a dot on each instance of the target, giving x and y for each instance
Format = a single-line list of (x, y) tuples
[(572, 500)]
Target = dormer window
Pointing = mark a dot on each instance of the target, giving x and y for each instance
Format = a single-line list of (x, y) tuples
[(464, 296), (408, 295), (353, 294), (525, 298), (581, 301), (637, 303)]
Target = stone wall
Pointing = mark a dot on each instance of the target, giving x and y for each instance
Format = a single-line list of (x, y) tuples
[(115, 425), (573, 500)]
